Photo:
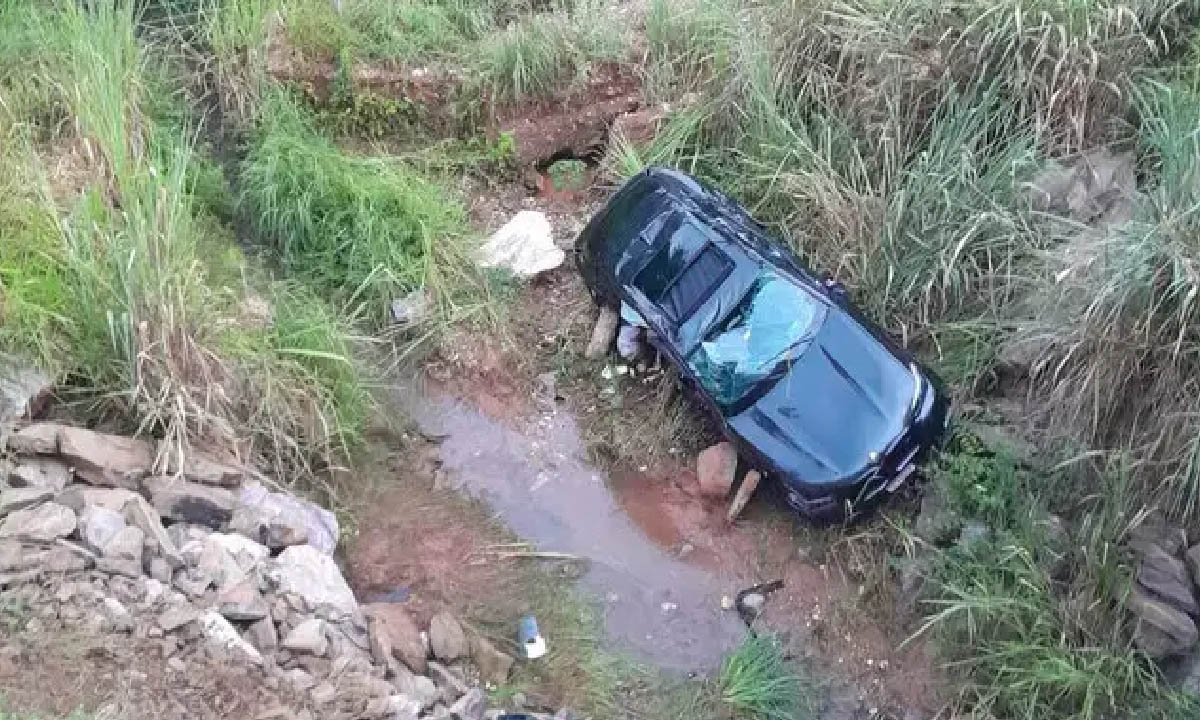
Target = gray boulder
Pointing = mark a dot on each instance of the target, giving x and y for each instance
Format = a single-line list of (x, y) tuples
[(40, 472), (307, 572), (183, 501), (1166, 576), (78, 497), (200, 468), (42, 523), (280, 520), (20, 498), (446, 637), (261, 634), (36, 439), (1161, 630), (219, 632), (140, 514), (242, 602), (123, 553), (98, 525), (105, 460)]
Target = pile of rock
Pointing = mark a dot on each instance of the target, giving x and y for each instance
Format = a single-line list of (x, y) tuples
[(1165, 599), (205, 562)]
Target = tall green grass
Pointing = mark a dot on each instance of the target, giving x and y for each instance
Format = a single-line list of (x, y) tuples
[(363, 230), (543, 53), (123, 286)]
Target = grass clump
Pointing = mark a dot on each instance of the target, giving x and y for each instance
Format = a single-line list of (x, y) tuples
[(757, 681), (543, 53), (363, 230)]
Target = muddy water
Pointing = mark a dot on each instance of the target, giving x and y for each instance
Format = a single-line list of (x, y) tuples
[(656, 606)]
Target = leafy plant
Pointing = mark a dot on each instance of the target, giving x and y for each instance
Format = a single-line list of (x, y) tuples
[(758, 682)]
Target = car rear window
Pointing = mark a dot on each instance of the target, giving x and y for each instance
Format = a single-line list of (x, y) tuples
[(683, 272)]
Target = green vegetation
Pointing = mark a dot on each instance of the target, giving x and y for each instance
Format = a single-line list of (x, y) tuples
[(757, 681), (363, 230), (120, 282)]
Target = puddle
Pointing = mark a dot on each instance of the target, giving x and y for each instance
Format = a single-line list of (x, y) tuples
[(660, 608)]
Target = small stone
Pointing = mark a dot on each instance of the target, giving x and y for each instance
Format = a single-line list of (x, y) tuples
[(14, 498), (262, 635), (308, 637), (300, 679), (470, 706), (242, 601), (425, 691), (140, 514), (66, 557), (451, 685), (744, 492), (118, 615), (323, 694), (99, 525), (752, 604), (158, 568), (308, 573), (123, 553), (42, 523), (219, 632), (176, 665), (446, 637), (716, 467), (202, 469)]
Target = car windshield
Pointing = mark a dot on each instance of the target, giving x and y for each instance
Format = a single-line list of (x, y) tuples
[(773, 318)]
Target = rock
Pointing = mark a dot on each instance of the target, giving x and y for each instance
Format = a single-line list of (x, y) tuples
[(24, 389), (1166, 577), (38, 439), (451, 686), (1155, 531), (192, 582), (262, 635), (122, 555), (140, 514), (413, 308), (419, 688), (1193, 561), (118, 615), (312, 575), (307, 637), (158, 568), (446, 637), (242, 601), (245, 552), (715, 469), (470, 706), (300, 679), (280, 520), (603, 333), (219, 632), (937, 524), (98, 525), (178, 617), (40, 472), (189, 502), (105, 460), (66, 557), (524, 246), (200, 468), (494, 665), (12, 499), (745, 491), (323, 694), (972, 534), (23, 577), (638, 129), (1161, 630), (393, 629), (211, 563), (43, 523), (401, 707), (16, 556), (78, 497)]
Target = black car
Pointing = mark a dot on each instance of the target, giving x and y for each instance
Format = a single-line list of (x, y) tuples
[(810, 391)]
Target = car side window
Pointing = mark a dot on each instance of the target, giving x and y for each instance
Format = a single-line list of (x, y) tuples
[(682, 273)]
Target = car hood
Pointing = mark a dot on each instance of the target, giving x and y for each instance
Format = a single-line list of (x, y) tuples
[(843, 398)]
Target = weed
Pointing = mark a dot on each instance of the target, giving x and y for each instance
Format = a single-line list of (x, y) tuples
[(759, 682), (365, 231), (544, 53)]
